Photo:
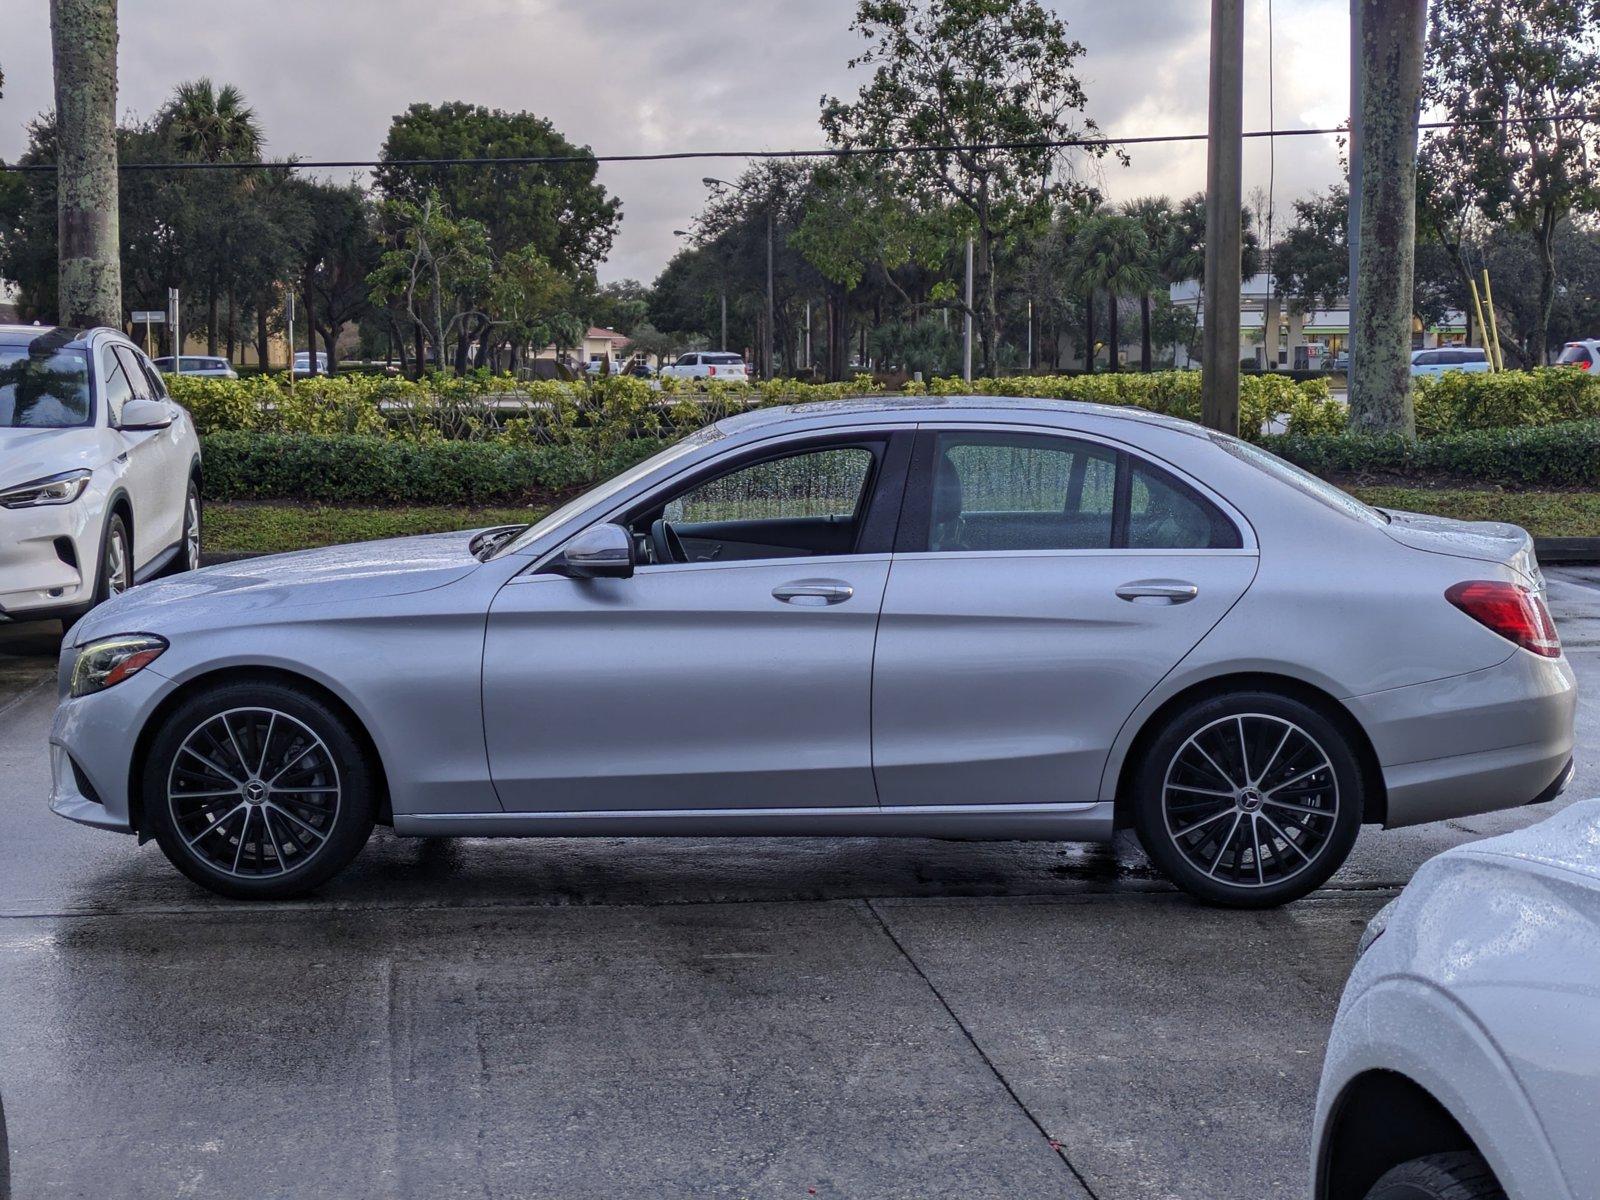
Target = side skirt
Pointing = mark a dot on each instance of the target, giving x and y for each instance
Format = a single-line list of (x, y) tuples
[(157, 564), (1091, 822)]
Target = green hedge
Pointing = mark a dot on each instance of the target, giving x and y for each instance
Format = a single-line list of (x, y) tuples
[(1565, 455), (377, 470)]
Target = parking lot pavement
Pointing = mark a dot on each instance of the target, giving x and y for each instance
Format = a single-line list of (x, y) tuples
[(677, 1017)]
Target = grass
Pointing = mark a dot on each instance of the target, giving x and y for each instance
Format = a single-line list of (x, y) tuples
[(271, 528), (1543, 514)]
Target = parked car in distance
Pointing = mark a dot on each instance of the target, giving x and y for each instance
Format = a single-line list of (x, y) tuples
[(1462, 1061), (1584, 354), (1437, 361), (206, 366), (99, 472), (1096, 618), (708, 364), (302, 363), (1337, 362)]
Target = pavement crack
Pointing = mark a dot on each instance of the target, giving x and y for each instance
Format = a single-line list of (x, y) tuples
[(1054, 1143)]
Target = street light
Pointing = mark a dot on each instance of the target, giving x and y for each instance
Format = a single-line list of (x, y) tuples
[(767, 348)]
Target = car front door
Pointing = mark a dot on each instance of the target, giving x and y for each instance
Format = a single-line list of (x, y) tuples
[(732, 670), (1042, 585)]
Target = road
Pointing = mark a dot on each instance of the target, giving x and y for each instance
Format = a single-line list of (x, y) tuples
[(672, 1018)]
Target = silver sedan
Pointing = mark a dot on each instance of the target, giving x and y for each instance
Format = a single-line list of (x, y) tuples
[(960, 618)]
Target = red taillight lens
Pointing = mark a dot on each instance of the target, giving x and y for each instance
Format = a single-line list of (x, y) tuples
[(711, 370), (1514, 612)]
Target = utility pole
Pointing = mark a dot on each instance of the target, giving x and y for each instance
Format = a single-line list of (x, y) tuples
[(1353, 235), (1219, 379), (966, 323), (1392, 33)]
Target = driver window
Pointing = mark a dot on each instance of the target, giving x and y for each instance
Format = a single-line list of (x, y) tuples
[(118, 390), (801, 505)]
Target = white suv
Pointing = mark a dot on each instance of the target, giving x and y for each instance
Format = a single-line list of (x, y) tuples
[(708, 364), (99, 472)]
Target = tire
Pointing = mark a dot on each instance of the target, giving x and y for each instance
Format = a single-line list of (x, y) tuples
[(1249, 799), (188, 558), (1462, 1175), (114, 572), (213, 800)]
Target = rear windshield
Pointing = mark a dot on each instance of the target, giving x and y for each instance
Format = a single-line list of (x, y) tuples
[(42, 387), (1574, 354), (1300, 480)]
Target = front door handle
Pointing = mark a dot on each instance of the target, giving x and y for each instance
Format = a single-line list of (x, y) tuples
[(813, 593), (1158, 591)]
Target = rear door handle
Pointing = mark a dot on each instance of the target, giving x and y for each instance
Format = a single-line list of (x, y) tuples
[(1158, 591), (813, 593)]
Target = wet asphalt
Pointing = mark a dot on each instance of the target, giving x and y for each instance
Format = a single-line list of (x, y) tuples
[(627, 1017)]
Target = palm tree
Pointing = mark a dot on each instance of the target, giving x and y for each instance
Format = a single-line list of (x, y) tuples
[(205, 123), (1155, 218), (1111, 254), (209, 124), (83, 35)]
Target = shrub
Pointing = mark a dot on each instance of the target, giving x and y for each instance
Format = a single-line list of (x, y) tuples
[(1564, 455)]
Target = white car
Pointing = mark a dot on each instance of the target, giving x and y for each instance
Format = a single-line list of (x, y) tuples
[(99, 472), (1583, 354), (1465, 1060), (302, 363), (708, 364), (206, 366), (1449, 358)]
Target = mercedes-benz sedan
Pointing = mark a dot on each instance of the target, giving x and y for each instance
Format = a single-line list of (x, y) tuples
[(960, 618)]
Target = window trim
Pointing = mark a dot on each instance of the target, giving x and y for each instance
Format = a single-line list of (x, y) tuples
[(881, 504), (916, 508)]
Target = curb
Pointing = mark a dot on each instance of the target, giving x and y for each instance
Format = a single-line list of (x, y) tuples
[(1567, 551)]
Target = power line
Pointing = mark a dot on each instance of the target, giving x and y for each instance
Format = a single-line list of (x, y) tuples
[(545, 160)]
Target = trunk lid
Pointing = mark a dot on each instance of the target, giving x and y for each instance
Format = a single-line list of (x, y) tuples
[(1483, 541)]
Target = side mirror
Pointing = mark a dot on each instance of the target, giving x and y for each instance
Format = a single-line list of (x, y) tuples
[(599, 552), (141, 414)]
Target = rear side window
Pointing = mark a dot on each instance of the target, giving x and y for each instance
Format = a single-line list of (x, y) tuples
[(722, 360), (1002, 491)]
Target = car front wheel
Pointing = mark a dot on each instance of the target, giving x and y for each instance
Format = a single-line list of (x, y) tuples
[(258, 791), (1249, 800)]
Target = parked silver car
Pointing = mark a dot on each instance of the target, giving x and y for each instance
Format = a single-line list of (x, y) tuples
[(950, 618), (1462, 1063)]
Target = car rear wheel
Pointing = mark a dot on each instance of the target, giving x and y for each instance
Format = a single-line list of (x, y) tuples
[(1250, 799), (258, 791), (1461, 1175)]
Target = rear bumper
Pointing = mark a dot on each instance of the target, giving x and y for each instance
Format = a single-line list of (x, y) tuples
[(1491, 739)]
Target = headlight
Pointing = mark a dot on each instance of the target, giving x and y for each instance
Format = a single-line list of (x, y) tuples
[(107, 662), (57, 489), (1375, 927)]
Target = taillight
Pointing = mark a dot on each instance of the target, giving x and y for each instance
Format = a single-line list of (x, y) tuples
[(1514, 612), (711, 370)]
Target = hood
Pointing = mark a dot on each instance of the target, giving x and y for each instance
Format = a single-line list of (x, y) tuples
[(1485, 541), (29, 454), (1568, 841), (231, 592)]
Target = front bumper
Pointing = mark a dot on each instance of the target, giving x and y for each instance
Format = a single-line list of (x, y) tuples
[(99, 733), (1474, 743), (47, 559)]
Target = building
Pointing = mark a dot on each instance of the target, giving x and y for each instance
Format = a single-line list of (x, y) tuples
[(1282, 335), (600, 343)]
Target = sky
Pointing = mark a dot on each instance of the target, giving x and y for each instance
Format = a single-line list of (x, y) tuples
[(645, 76)]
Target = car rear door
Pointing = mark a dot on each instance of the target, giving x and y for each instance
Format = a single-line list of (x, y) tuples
[(738, 682), (1042, 584)]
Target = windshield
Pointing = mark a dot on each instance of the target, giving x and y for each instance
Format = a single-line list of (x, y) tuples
[(1301, 480), (42, 387), (609, 488)]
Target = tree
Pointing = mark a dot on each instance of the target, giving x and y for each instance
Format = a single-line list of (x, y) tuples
[(955, 74), (558, 208), (1153, 215), (1311, 263), (1521, 77), (435, 268), (1111, 254), (337, 250), (210, 124), (83, 36)]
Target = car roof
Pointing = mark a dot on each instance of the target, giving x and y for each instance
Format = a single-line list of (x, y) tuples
[(935, 407)]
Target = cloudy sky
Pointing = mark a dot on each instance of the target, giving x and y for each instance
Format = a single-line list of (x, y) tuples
[(627, 76)]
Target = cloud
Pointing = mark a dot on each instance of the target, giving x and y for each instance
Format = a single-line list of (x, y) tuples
[(643, 76)]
